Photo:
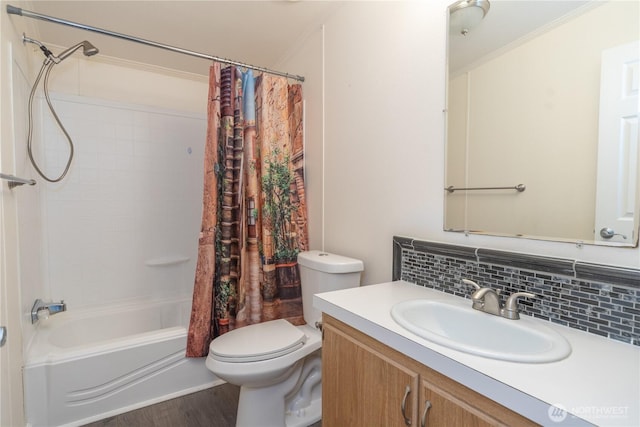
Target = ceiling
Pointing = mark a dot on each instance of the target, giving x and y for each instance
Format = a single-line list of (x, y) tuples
[(260, 33)]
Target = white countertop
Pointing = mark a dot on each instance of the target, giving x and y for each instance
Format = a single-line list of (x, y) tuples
[(599, 382)]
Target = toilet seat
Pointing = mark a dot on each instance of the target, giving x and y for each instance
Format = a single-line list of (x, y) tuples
[(253, 343)]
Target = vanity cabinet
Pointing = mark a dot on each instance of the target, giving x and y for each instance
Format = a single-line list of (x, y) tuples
[(366, 383)]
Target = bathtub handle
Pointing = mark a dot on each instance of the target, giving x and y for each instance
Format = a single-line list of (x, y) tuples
[(3, 335)]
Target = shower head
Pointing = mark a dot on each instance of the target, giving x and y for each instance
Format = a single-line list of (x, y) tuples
[(87, 48)]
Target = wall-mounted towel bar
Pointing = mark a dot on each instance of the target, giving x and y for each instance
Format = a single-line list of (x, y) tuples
[(519, 188), (165, 261), (14, 181)]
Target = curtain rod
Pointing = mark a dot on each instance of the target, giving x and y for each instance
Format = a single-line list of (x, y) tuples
[(12, 10)]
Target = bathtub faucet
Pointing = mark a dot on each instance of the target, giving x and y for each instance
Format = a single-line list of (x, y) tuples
[(42, 310)]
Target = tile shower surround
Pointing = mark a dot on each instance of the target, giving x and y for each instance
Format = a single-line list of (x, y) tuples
[(600, 299)]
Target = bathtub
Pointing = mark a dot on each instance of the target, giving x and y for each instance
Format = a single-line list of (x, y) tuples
[(87, 365)]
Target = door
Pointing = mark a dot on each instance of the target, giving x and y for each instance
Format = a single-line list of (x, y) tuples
[(618, 158)]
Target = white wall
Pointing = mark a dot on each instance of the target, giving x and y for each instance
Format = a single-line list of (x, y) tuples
[(384, 88), (383, 99), (307, 61), (119, 80), (123, 224)]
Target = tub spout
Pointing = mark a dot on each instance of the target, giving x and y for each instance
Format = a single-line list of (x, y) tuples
[(42, 310)]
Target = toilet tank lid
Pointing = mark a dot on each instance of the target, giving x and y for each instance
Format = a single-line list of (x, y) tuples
[(329, 263)]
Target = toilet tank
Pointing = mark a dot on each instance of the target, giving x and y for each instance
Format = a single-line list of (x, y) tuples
[(323, 272)]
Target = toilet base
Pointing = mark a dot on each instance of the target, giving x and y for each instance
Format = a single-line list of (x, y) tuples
[(304, 403), (306, 416), (294, 402), (265, 406), (271, 413)]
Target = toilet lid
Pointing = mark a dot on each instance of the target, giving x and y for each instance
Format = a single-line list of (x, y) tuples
[(261, 341)]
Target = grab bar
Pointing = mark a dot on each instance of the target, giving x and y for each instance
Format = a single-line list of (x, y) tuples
[(519, 188), (170, 260), (14, 181)]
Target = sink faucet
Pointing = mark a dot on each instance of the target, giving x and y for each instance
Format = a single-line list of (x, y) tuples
[(510, 310), (488, 300), (42, 310)]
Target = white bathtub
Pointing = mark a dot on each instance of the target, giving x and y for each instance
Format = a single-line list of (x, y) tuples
[(87, 365)]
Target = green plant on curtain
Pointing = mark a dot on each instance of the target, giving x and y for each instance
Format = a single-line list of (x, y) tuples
[(277, 208)]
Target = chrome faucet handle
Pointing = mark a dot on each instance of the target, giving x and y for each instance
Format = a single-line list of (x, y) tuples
[(472, 283), (480, 293), (510, 310), (477, 302), (478, 287)]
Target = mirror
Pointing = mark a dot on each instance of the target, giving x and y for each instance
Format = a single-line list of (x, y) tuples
[(545, 94)]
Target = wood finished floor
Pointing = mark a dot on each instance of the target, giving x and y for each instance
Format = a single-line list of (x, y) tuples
[(214, 407)]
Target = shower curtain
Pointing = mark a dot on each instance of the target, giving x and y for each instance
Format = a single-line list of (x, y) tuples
[(254, 219)]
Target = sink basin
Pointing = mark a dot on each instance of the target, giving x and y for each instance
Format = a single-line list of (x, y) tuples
[(456, 325)]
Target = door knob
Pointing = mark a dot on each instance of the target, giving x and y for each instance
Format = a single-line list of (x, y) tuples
[(3, 335), (607, 233)]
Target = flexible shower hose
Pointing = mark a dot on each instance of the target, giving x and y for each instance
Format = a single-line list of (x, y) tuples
[(48, 64)]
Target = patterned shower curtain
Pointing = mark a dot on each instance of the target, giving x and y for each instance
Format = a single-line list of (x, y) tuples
[(254, 219)]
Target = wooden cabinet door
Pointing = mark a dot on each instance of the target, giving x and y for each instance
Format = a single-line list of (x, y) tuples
[(450, 404), (363, 387), (447, 411)]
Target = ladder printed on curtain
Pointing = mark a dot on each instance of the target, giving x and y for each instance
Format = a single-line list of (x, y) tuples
[(231, 91)]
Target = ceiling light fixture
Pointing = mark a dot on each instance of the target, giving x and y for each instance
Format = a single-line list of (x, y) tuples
[(466, 14)]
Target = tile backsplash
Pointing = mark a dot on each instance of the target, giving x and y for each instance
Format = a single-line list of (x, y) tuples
[(600, 299)]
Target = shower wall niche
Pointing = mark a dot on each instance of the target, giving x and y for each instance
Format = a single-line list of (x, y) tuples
[(123, 225)]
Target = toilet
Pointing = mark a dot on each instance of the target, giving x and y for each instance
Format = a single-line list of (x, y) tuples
[(278, 365)]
